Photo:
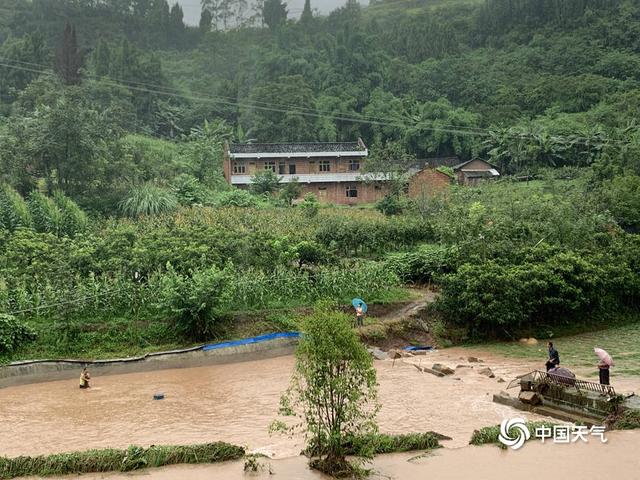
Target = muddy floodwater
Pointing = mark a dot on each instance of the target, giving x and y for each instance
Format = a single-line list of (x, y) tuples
[(237, 402), (234, 403), (617, 458)]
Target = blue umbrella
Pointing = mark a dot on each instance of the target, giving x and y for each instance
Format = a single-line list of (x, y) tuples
[(357, 301)]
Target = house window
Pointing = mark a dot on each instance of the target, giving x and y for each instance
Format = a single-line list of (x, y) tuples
[(322, 192), (239, 167), (325, 166), (281, 168), (292, 168), (352, 192), (270, 165), (354, 164)]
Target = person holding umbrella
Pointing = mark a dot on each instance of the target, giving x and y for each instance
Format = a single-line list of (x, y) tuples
[(361, 309), (603, 366)]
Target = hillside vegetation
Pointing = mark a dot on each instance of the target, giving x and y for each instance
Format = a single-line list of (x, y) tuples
[(118, 233)]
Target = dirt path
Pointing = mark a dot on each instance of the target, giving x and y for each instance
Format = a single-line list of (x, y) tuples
[(413, 308), (401, 327)]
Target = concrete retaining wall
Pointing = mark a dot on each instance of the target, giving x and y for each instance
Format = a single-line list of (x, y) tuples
[(22, 373)]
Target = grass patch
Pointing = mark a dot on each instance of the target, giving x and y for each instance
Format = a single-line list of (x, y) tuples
[(489, 435), (382, 443), (621, 341), (109, 460), (96, 338), (118, 337), (629, 420)]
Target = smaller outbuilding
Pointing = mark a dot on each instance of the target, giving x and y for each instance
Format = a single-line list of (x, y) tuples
[(474, 171)]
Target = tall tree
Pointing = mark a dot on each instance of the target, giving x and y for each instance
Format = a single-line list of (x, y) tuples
[(307, 15), (333, 391), (69, 57), (102, 58), (274, 13), (176, 19), (31, 48), (205, 20)]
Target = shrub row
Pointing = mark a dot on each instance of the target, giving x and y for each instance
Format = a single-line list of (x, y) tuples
[(109, 460), (382, 443), (548, 287), (489, 435)]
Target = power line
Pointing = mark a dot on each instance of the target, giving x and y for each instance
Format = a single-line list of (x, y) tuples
[(458, 130), (303, 112), (289, 107)]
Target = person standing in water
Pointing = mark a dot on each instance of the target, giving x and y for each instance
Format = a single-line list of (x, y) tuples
[(84, 378), (359, 315)]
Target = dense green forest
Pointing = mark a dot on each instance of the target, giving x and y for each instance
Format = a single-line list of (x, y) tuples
[(118, 233)]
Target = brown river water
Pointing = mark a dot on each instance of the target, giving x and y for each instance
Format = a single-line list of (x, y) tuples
[(618, 458), (237, 402)]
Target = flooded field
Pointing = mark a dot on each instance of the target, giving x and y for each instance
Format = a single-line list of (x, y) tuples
[(235, 403)]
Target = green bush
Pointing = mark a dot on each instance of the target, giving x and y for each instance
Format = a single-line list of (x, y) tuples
[(236, 198), (391, 205), (194, 301), (14, 212), (629, 420), (189, 190), (310, 205), (489, 435), (148, 200), (548, 288), (45, 214), (13, 333), (72, 219), (622, 197), (381, 443), (265, 182), (360, 234), (426, 262), (109, 460)]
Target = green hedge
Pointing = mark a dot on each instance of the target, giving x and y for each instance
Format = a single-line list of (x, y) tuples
[(489, 435), (543, 288), (382, 443), (108, 460)]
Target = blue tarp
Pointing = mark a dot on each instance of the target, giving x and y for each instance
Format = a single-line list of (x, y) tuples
[(246, 341), (413, 349)]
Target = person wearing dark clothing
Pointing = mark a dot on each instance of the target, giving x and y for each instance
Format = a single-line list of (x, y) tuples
[(603, 370), (554, 357)]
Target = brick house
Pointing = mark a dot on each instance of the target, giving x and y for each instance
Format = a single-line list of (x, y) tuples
[(470, 172), (474, 171), (331, 171), (428, 182)]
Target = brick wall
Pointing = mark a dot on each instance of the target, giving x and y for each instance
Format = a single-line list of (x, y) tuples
[(428, 183), (336, 193), (302, 165)]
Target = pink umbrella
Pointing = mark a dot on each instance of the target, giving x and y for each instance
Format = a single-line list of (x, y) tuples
[(604, 356)]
